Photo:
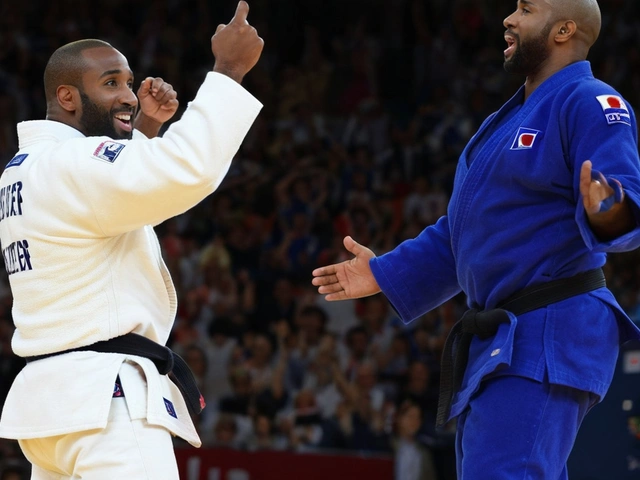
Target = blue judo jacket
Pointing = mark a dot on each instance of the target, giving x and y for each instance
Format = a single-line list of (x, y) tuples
[(516, 219)]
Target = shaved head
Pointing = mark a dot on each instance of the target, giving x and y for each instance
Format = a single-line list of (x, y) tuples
[(66, 66), (585, 14)]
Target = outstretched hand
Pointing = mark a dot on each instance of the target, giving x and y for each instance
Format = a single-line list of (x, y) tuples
[(236, 45), (349, 279)]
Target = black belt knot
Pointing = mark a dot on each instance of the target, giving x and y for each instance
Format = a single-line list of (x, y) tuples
[(166, 361), (485, 323)]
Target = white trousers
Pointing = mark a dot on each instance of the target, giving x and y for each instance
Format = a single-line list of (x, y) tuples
[(125, 449)]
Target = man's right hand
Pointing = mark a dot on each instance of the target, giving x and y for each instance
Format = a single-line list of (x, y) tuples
[(236, 46), (349, 279)]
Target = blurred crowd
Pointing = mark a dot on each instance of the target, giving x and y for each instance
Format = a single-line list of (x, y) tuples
[(367, 104)]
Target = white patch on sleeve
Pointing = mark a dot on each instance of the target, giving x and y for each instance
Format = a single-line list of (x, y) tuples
[(614, 108), (108, 151)]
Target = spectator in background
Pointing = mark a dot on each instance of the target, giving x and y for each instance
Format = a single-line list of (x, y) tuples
[(357, 343), (393, 365), (225, 433), (319, 377), (376, 318), (419, 387), (278, 303), (310, 324), (307, 420), (425, 204), (265, 435), (241, 400), (220, 349), (413, 460)]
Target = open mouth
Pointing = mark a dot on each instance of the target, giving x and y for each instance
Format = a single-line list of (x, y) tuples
[(123, 120), (511, 46)]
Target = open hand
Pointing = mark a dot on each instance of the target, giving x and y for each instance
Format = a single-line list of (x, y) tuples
[(349, 279)]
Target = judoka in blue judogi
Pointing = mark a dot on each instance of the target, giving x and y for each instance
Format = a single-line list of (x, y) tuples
[(547, 186)]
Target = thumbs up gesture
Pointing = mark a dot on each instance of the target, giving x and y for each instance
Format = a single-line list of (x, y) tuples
[(236, 46)]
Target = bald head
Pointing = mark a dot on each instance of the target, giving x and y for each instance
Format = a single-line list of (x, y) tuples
[(66, 66), (585, 14)]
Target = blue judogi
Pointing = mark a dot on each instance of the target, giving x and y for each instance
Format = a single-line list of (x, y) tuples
[(516, 219)]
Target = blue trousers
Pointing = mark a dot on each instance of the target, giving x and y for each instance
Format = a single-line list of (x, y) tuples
[(516, 428)]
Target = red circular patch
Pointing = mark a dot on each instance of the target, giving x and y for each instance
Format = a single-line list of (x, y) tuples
[(614, 102)]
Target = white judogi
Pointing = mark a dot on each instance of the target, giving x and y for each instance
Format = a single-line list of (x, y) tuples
[(84, 265)]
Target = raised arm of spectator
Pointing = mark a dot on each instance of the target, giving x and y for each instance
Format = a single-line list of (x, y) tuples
[(277, 379)]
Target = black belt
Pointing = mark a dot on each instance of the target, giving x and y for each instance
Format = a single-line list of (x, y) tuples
[(485, 324), (166, 361)]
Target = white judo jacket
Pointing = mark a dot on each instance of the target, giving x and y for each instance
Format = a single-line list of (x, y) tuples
[(85, 265)]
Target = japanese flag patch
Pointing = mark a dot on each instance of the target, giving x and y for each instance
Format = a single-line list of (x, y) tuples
[(108, 151), (525, 138), (614, 108)]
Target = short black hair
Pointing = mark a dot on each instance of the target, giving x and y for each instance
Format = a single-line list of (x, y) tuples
[(66, 65), (315, 310)]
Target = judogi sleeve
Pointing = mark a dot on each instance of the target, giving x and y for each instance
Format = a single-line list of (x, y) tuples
[(601, 127), (419, 274), (106, 187)]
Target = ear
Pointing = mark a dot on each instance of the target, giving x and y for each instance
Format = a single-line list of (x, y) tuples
[(565, 31), (68, 98)]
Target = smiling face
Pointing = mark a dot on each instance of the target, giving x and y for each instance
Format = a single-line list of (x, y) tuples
[(108, 103), (527, 37)]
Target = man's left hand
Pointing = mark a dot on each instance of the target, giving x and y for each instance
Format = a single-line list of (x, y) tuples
[(158, 104), (605, 204), (158, 99), (597, 194)]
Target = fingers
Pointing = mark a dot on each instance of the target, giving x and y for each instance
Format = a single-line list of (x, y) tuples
[(145, 87), (236, 46), (351, 245), (334, 297), (332, 288), (585, 178), (160, 90), (326, 280), (597, 194), (324, 271), (242, 10), (357, 249), (323, 279), (171, 105), (164, 93)]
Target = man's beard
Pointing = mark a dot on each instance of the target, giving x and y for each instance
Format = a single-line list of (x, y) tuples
[(529, 54), (98, 122)]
